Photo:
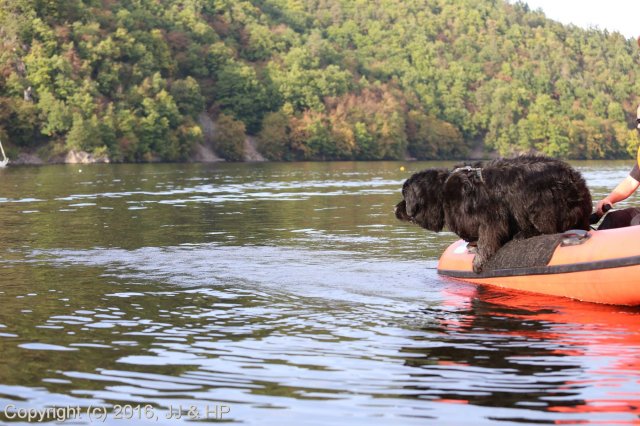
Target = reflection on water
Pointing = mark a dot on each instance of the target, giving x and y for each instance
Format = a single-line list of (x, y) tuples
[(280, 294)]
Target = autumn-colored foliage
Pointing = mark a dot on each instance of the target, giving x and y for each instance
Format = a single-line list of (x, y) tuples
[(314, 80)]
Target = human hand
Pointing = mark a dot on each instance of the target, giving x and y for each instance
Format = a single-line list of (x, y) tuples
[(601, 208)]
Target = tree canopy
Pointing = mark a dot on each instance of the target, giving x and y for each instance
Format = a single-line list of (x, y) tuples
[(312, 79)]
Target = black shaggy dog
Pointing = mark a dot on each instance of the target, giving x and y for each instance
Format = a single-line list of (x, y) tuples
[(494, 203)]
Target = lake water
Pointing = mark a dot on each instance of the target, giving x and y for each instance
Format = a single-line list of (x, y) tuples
[(279, 294)]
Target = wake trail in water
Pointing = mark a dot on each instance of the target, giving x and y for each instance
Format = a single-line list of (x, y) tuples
[(333, 274)]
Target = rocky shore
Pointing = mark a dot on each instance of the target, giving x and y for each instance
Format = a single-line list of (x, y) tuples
[(201, 154)]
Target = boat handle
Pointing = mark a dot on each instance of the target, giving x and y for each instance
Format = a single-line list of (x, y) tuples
[(595, 217), (574, 237)]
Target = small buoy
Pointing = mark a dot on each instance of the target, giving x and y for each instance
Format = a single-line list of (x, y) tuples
[(80, 171), (402, 168)]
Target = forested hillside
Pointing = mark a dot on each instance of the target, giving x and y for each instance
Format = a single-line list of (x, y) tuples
[(311, 79)]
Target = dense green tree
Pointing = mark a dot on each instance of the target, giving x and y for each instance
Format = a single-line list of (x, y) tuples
[(187, 96), (241, 93), (316, 80), (92, 135), (432, 139), (274, 140), (229, 138), (55, 113), (18, 122)]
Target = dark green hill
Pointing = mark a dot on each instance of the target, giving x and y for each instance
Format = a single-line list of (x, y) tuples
[(312, 79)]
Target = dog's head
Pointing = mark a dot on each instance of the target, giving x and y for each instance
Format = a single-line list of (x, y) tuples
[(422, 202)]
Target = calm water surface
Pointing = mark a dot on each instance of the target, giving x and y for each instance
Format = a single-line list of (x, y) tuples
[(279, 294)]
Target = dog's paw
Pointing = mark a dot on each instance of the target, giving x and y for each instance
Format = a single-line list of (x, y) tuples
[(478, 263)]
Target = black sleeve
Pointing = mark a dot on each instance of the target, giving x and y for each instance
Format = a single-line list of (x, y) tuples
[(635, 172)]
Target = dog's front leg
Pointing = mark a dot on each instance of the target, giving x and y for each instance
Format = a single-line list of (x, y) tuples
[(489, 241)]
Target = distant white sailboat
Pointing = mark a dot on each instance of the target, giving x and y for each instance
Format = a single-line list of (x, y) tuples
[(5, 160)]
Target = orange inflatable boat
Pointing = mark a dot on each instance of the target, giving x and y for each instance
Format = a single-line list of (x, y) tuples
[(595, 266)]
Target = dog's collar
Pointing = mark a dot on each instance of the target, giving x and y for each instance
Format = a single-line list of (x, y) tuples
[(478, 171)]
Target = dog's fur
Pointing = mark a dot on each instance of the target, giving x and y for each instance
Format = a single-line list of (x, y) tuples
[(492, 204)]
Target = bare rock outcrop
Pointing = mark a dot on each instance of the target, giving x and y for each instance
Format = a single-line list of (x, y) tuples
[(251, 152), (203, 154), (82, 157)]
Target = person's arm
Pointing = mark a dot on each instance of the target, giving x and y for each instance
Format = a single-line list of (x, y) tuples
[(621, 192)]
